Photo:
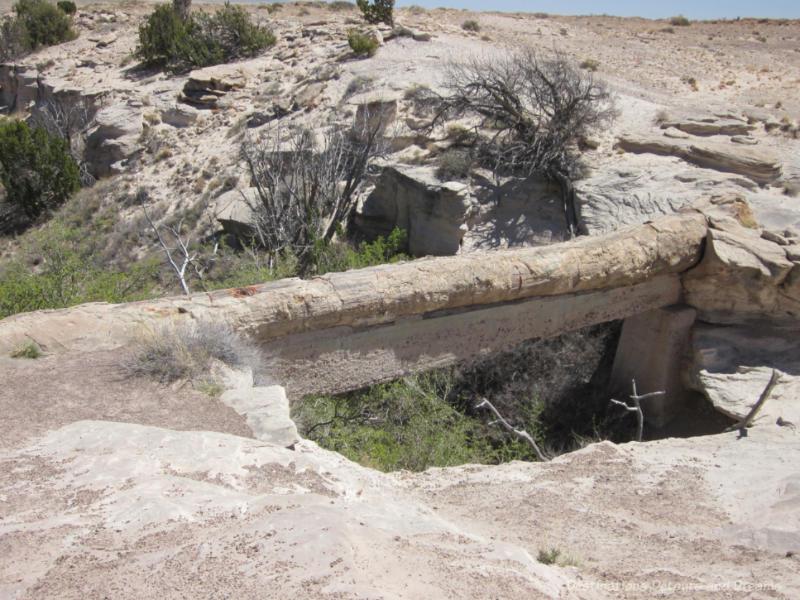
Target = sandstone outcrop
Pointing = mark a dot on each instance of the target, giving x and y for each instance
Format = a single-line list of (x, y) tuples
[(114, 138), (204, 87), (444, 218), (760, 166)]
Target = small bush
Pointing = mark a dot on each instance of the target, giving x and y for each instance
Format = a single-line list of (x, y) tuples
[(549, 557), (200, 40), (589, 64), (29, 350), (379, 11), (187, 350), (362, 43), (67, 7), (14, 41), (679, 21), (46, 25), (471, 25), (454, 165), (36, 168), (340, 5), (274, 7)]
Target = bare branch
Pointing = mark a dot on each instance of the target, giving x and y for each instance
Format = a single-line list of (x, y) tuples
[(637, 407), (531, 112), (307, 187), (744, 423), (524, 435)]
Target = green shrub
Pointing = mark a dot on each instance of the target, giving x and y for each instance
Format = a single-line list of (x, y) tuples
[(362, 43), (409, 424), (67, 7), (340, 5), (46, 25), (201, 39), (331, 257), (14, 41), (66, 274), (471, 25), (379, 11), (36, 168), (29, 350), (589, 64), (679, 21)]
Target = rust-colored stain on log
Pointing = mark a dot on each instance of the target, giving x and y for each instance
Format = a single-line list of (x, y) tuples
[(244, 292)]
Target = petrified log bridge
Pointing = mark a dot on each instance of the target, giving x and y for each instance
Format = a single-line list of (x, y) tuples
[(347, 330)]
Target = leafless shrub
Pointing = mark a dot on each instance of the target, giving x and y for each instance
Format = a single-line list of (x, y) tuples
[(307, 187), (185, 351), (454, 165), (70, 120), (531, 111)]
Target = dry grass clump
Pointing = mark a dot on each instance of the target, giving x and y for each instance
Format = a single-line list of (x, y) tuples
[(187, 350)]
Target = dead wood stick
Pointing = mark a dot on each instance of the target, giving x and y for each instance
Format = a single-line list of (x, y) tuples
[(519, 433), (637, 407), (745, 423)]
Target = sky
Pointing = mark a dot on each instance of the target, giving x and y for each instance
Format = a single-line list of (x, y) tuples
[(699, 9)]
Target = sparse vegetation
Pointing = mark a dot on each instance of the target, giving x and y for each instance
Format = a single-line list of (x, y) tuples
[(413, 424), (377, 11), (175, 39), (306, 190), (679, 21), (471, 25), (589, 64), (454, 165), (549, 557), (37, 23), (362, 44), (531, 111), (29, 350), (36, 168), (341, 5), (187, 351), (67, 7), (554, 389)]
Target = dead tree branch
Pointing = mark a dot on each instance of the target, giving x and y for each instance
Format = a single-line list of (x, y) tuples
[(187, 258), (524, 435), (637, 407), (745, 423), (530, 114), (307, 186)]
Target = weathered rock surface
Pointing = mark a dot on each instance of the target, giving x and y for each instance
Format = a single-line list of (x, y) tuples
[(742, 275), (130, 509), (710, 126), (732, 365), (444, 218), (265, 408), (113, 139), (204, 87), (758, 165)]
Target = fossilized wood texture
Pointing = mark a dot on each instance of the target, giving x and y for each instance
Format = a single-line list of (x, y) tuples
[(384, 294)]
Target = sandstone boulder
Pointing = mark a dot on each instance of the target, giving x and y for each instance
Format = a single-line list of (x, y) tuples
[(742, 275), (233, 211), (760, 166), (732, 365), (113, 139), (179, 115), (713, 126), (204, 87)]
